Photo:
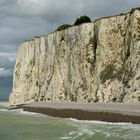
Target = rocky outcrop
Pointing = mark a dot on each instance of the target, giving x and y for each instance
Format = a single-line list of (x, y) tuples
[(92, 62)]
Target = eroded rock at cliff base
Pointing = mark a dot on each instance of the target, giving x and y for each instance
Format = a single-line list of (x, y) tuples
[(92, 62)]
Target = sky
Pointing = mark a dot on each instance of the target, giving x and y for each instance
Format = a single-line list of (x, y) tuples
[(23, 19)]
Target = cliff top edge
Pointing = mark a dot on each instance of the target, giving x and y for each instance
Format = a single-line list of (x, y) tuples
[(105, 17)]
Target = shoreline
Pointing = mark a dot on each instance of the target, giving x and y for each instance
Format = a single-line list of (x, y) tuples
[(107, 112)]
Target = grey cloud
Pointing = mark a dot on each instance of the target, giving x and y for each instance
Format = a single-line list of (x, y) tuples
[(6, 48), (11, 56), (23, 19), (57, 10), (46, 8), (6, 72), (6, 67), (15, 29), (6, 63)]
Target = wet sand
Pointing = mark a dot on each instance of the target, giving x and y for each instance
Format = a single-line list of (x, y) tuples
[(109, 112)]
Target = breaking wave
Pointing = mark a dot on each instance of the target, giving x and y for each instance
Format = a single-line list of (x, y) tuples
[(3, 110), (93, 129), (22, 112), (99, 122)]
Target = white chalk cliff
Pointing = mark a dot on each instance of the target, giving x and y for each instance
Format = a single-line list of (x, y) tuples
[(92, 62)]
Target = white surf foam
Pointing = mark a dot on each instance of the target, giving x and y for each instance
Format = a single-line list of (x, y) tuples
[(99, 122), (32, 114), (4, 104), (65, 138), (3, 110), (27, 113), (118, 130), (78, 134), (22, 112)]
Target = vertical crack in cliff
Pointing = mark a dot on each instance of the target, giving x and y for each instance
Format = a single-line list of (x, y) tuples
[(34, 56), (94, 42), (68, 92), (69, 68), (53, 69), (39, 85)]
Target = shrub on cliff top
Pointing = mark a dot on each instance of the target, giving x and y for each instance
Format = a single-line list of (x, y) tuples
[(62, 27), (82, 19)]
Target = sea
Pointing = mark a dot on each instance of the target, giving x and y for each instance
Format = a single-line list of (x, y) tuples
[(21, 125)]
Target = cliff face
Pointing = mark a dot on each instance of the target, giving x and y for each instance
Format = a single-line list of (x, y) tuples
[(93, 62)]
